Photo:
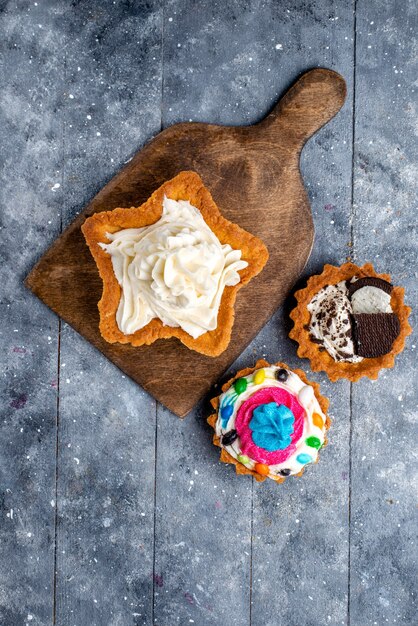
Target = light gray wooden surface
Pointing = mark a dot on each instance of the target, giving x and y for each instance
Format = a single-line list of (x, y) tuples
[(113, 511)]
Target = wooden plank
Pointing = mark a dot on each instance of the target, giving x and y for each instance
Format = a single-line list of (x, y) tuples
[(106, 450), (203, 529), (203, 511), (30, 200), (300, 529), (248, 170), (383, 528), (105, 492), (228, 70)]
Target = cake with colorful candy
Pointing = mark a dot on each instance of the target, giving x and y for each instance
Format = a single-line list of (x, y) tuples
[(270, 421)]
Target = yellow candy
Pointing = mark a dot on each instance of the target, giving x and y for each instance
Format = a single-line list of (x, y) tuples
[(259, 377), (317, 420)]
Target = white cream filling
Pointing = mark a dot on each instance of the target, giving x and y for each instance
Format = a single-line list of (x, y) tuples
[(175, 270), (371, 299), (330, 311)]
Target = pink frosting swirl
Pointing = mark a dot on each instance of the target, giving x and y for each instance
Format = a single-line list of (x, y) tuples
[(245, 413)]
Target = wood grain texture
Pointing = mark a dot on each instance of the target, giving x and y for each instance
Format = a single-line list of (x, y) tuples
[(384, 481), (300, 539), (107, 424), (253, 175), (255, 564), (30, 134)]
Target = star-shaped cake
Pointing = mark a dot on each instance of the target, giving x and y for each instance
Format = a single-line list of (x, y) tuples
[(172, 268)]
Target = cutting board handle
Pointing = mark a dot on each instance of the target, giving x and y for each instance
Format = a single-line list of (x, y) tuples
[(309, 104)]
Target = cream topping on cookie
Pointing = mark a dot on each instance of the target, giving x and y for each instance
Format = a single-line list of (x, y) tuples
[(371, 299), (175, 270)]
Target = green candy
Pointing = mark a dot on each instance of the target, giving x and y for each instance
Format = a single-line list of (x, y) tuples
[(242, 458), (313, 442), (240, 385)]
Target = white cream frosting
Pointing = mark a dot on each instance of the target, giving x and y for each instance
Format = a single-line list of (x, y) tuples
[(306, 396), (371, 299), (175, 270), (330, 323)]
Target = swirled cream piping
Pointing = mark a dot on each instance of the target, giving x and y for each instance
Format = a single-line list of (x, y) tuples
[(175, 269)]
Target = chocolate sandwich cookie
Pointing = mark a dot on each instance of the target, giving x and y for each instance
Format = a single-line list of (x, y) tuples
[(375, 333), (374, 325), (369, 281), (369, 295)]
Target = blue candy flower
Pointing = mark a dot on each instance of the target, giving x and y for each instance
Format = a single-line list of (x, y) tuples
[(272, 425)]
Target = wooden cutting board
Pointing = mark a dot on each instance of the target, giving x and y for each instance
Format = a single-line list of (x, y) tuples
[(253, 175)]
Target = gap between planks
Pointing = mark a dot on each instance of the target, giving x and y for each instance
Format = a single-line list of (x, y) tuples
[(353, 215), (57, 422)]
